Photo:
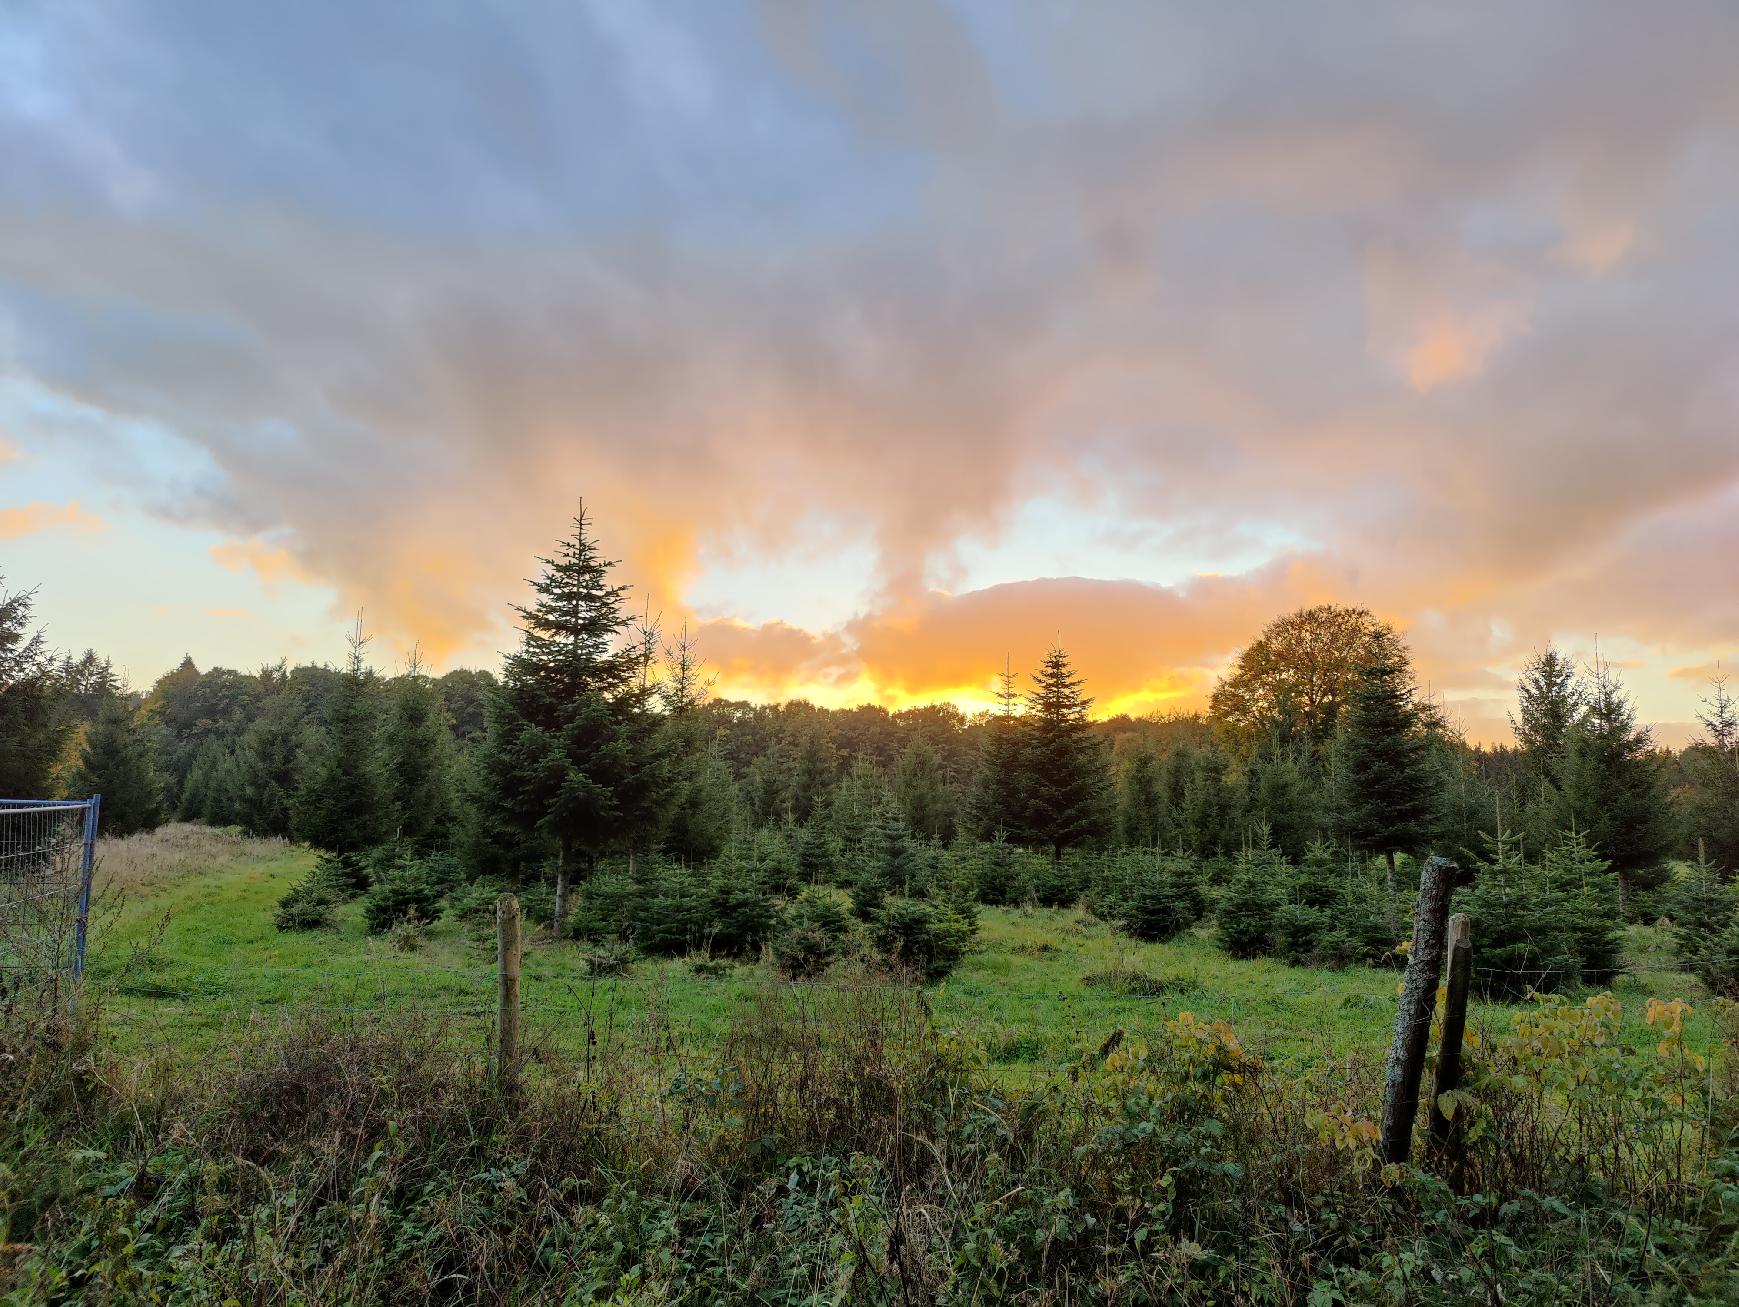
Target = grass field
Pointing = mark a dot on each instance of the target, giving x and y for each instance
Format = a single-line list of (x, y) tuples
[(185, 954)]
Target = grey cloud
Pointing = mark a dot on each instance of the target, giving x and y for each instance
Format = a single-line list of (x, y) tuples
[(400, 267)]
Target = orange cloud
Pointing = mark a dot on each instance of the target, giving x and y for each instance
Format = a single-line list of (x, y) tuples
[(1440, 318), (1701, 672), (231, 614), (273, 564), (40, 515)]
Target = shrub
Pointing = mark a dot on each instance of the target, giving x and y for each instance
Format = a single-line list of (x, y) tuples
[(1004, 873), (1153, 897), (408, 933), (811, 935), (1248, 911), (403, 886), (742, 915), (670, 911), (603, 905), (677, 909), (922, 936), (610, 958), (1060, 882), (312, 902), (1542, 928), (1139, 983), (1705, 915), (471, 905)]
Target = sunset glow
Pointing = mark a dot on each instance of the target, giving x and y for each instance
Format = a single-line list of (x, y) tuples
[(881, 342)]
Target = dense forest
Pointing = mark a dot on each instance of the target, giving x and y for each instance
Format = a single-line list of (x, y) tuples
[(598, 773)]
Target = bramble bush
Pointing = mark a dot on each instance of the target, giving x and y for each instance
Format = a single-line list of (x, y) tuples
[(836, 1138)]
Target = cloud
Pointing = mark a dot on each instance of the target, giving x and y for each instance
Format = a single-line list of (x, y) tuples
[(230, 614), (905, 270), (273, 564), (39, 516), (1702, 673)]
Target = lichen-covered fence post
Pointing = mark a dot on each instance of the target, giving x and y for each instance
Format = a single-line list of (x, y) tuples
[(1437, 880), (1446, 1131), (507, 991)]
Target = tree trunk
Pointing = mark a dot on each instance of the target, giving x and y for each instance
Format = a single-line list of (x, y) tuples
[(1413, 1015), (559, 925), (1389, 858)]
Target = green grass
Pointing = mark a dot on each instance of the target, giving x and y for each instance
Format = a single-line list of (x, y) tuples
[(190, 958)]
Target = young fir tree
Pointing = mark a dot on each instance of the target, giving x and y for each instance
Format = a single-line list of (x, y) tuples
[(574, 758), (809, 772), (1612, 787), (268, 762), (209, 794), (1278, 796), (340, 805), (702, 794), (1549, 700), (31, 722), (417, 751), (999, 798), (1065, 764), (1386, 773), (888, 865), (1588, 915), (1712, 767), (1705, 915), (921, 788), (1208, 818), (117, 761), (1139, 800), (1248, 912)]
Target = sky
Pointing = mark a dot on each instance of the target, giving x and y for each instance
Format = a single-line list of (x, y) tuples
[(884, 341)]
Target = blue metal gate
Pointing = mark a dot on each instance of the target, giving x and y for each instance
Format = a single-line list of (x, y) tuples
[(47, 856)]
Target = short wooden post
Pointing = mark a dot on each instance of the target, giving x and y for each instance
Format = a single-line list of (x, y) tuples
[(1446, 1136), (1413, 1018), (507, 990)]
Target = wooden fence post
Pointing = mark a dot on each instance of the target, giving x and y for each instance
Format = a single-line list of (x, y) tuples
[(1446, 1137), (507, 990), (1437, 879)]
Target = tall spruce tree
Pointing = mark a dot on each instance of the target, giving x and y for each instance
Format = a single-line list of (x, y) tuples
[(1711, 765), (268, 763), (1065, 773), (1387, 777), (31, 723), (999, 794), (701, 793), (574, 757), (1613, 789), (1550, 698), (1140, 803), (417, 752), (117, 761), (340, 805), (921, 788)]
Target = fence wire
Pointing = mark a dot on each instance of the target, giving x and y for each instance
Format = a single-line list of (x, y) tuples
[(45, 891)]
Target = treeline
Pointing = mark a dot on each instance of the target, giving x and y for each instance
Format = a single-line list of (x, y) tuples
[(599, 740)]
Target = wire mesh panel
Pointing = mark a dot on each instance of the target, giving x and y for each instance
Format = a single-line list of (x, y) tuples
[(45, 894)]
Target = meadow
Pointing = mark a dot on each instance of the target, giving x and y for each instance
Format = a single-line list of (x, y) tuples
[(250, 1115), (185, 955)]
